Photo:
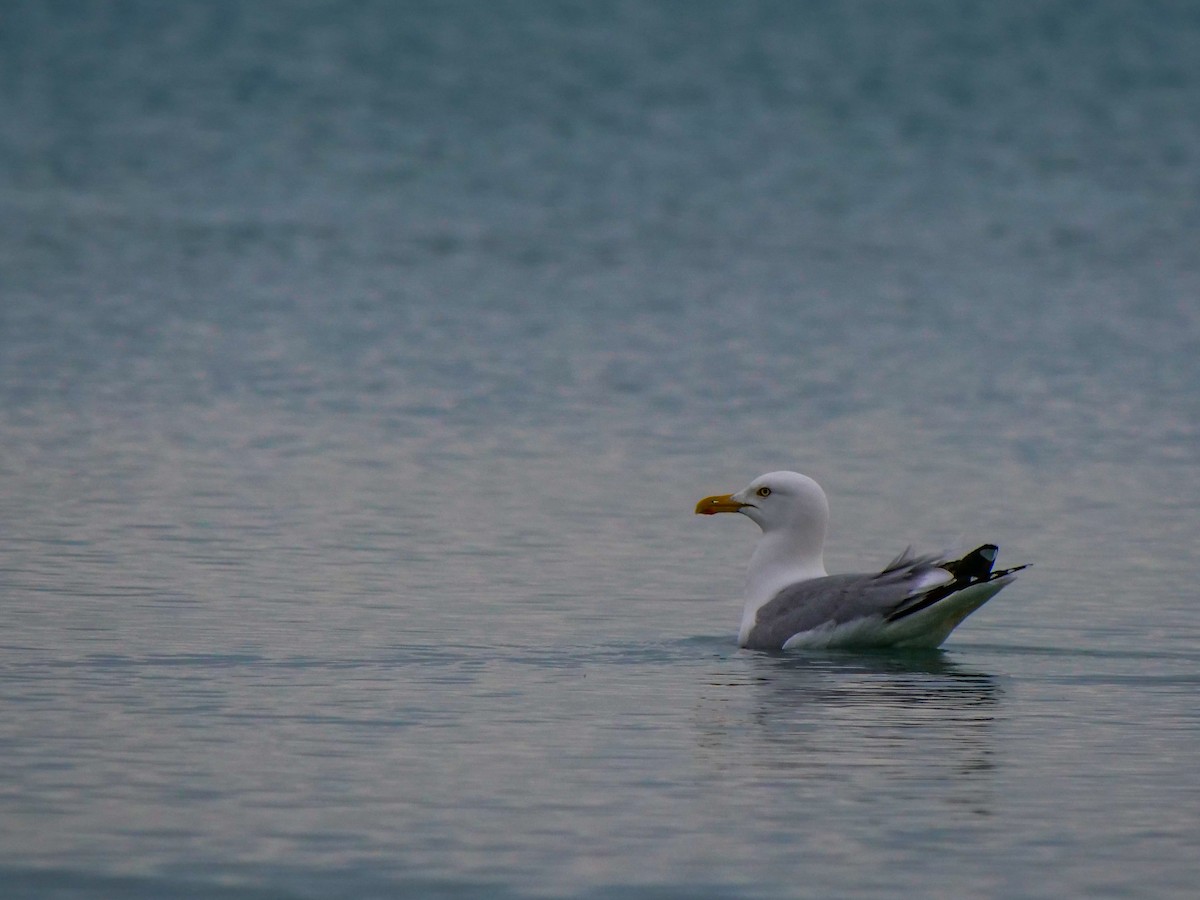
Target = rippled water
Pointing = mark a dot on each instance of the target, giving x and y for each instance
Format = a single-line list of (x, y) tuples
[(360, 366)]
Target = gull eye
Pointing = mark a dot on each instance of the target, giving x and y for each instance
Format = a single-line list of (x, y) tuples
[(763, 492)]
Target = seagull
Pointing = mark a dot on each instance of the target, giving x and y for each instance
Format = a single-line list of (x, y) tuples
[(915, 602)]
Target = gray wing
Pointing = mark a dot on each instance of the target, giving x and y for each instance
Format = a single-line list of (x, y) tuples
[(837, 599)]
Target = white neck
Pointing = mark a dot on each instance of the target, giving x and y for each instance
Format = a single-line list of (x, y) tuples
[(777, 562)]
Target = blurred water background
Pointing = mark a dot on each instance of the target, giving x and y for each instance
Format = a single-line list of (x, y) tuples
[(361, 363)]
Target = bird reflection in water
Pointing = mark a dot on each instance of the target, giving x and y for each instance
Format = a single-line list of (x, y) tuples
[(886, 724)]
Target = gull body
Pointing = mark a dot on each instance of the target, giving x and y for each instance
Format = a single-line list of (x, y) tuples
[(790, 600)]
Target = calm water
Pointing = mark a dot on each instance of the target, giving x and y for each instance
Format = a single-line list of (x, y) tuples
[(361, 363)]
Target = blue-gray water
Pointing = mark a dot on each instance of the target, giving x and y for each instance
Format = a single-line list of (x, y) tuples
[(361, 364)]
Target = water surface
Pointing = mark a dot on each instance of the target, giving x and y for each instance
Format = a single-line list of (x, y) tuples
[(360, 367)]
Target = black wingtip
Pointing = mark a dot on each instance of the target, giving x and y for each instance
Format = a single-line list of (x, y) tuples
[(1003, 572), (975, 566), (973, 569)]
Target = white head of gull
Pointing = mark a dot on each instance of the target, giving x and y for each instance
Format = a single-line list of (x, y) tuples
[(790, 601)]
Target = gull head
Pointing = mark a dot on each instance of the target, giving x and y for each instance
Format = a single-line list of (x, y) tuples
[(777, 500), (793, 513)]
